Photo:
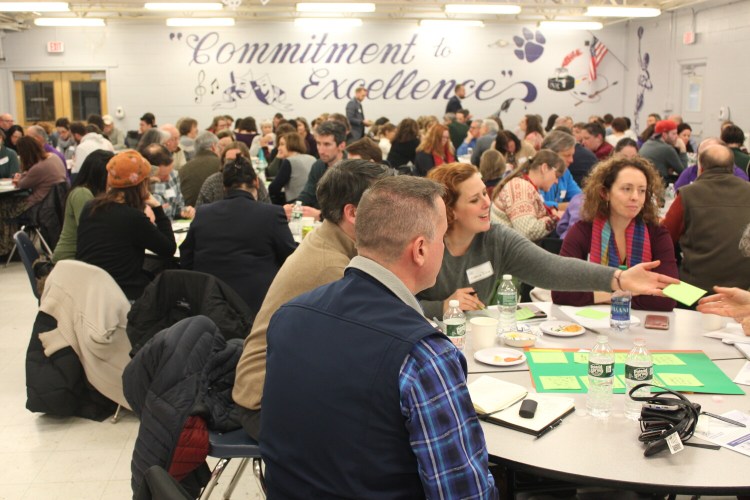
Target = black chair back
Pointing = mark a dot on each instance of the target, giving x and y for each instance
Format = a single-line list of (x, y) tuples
[(29, 255)]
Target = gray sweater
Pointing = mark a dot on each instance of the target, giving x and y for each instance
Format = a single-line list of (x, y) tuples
[(511, 253), (663, 156)]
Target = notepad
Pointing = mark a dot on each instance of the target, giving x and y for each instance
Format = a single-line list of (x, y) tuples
[(550, 411), (684, 293), (490, 394), (524, 313)]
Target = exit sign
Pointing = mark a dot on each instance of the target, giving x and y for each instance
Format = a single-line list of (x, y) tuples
[(55, 47)]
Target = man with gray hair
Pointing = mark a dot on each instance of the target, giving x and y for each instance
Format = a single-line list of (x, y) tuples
[(42, 138), (197, 170), (172, 143), (707, 219), (320, 259), (488, 134), (378, 393), (560, 194)]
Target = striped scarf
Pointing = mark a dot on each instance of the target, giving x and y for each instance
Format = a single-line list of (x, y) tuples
[(603, 248)]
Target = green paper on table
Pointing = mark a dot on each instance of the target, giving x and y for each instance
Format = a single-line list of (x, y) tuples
[(616, 382), (524, 313), (684, 293), (592, 314), (559, 383), (548, 356), (666, 359), (681, 379), (581, 357), (621, 357)]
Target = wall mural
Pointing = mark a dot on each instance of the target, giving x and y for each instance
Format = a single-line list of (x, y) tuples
[(589, 84), (644, 82), (231, 73)]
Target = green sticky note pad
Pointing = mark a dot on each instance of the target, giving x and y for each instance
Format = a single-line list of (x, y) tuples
[(684, 292), (666, 359), (548, 357), (559, 382), (524, 313), (681, 379), (617, 382), (620, 358), (581, 357), (592, 314)]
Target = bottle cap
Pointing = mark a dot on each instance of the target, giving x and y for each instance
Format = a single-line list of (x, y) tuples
[(453, 303), (507, 277)]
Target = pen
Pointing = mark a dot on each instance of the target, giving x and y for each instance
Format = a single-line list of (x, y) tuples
[(474, 293), (551, 426), (724, 419)]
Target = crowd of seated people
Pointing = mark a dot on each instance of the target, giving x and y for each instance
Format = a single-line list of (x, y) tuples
[(597, 188)]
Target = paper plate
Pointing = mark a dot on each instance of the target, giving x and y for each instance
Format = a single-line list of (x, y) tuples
[(562, 328), (496, 356)]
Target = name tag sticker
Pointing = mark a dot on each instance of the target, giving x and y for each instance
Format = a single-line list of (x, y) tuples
[(480, 272), (3, 161), (169, 193)]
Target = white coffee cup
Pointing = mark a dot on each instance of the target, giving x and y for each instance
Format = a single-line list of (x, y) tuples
[(483, 332), (713, 322), (308, 221)]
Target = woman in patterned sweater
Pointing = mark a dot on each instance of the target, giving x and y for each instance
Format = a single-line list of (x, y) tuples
[(516, 200)]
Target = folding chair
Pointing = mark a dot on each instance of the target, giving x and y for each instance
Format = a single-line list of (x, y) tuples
[(29, 255), (229, 445)]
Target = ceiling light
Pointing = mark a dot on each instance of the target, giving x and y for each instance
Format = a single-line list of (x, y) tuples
[(34, 7), (570, 25), (478, 8), (323, 22), (335, 7), (88, 22), (622, 11), (450, 23), (199, 21), (183, 6)]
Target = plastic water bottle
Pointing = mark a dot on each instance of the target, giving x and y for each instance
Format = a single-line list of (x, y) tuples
[(669, 193), (262, 162), (469, 152), (296, 225), (619, 316), (455, 325), (601, 377), (507, 301), (639, 369)]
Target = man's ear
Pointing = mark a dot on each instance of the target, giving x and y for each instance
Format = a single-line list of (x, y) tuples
[(350, 213), (419, 251)]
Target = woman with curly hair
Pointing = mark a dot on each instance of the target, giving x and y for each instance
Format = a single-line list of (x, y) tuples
[(620, 226), (435, 149), (404, 143)]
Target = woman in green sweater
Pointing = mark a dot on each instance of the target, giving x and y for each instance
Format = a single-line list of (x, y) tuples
[(91, 180)]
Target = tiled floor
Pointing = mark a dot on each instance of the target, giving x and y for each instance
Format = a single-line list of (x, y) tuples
[(44, 457)]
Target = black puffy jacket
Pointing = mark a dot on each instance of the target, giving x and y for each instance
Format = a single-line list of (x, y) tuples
[(186, 370)]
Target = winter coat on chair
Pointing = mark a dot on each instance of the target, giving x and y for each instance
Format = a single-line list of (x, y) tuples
[(180, 385), (175, 295)]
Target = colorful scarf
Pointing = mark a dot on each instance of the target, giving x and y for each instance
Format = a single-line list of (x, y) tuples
[(603, 248)]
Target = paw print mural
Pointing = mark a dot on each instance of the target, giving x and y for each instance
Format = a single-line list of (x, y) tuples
[(530, 46)]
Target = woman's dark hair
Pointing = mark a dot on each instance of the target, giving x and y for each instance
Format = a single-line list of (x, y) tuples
[(551, 122), (503, 138), (238, 172), (301, 120), (407, 130), (12, 130), (186, 125), (247, 123), (647, 133), (93, 173), (133, 196), (732, 134), (619, 124), (96, 120), (543, 157), (63, 122), (624, 143), (682, 127), (534, 124), (30, 152)]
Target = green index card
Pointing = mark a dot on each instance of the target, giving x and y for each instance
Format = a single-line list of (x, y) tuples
[(548, 356), (563, 382), (681, 379), (592, 314), (684, 292), (524, 313), (666, 359)]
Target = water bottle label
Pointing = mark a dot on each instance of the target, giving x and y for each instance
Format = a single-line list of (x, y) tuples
[(456, 330), (507, 299), (639, 373), (601, 370), (620, 309)]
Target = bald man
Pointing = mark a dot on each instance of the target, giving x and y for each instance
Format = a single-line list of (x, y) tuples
[(707, 218), (6, 121), (173, 145)]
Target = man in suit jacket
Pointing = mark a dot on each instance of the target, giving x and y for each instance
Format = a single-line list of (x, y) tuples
[(454, 103), (356, 116)]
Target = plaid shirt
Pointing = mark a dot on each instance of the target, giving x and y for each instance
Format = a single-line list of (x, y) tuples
[(169, 195), (444, 430)]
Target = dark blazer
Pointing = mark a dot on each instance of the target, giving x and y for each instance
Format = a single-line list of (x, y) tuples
[(241, 242), (356, 118)]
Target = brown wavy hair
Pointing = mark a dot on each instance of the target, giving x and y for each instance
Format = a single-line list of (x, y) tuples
[(451, 175), (604, 175), (432, 140)]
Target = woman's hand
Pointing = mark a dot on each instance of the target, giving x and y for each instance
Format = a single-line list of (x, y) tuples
[(187, 213), (152, 202), (641, 281), (150, 214), (730, 302), (467, 300)]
